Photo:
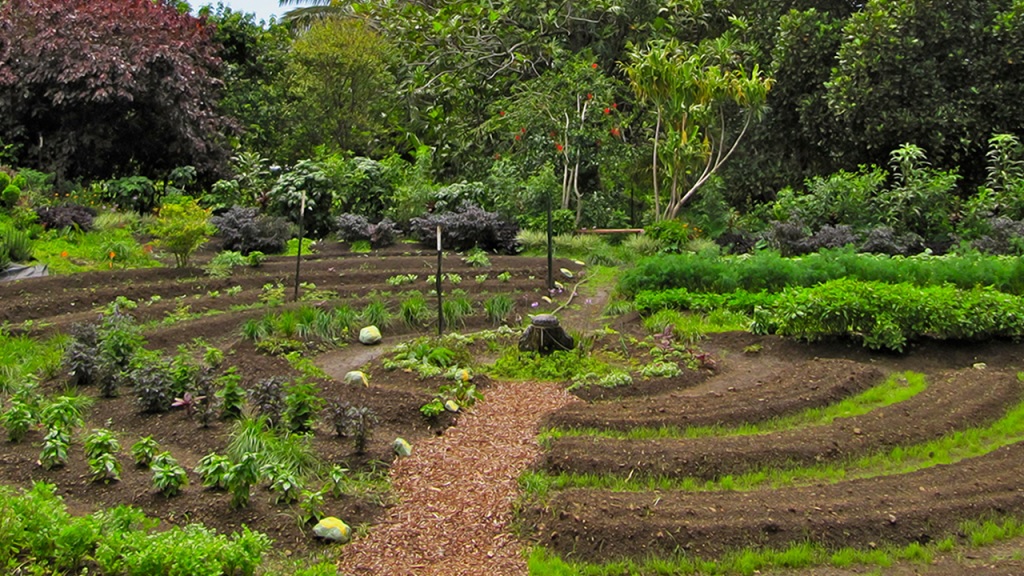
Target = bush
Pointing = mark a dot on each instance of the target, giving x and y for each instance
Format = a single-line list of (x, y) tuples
[(352, 227), (181, 229), (673, 234), (789, 237), (66, 216), (134, 193), (247, 231), (383, 233), (10, 196), (829, 237), (268, 398), (365, 188), (153, 384), (468, 227), (1005, 236), (562, 222), (885, 240), (16, 244), (308, 179)]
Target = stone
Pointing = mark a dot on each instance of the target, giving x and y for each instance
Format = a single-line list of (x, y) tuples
[(451, 406), (566, 272), (333, 529), (545, 335), (370, 335), (355, 378), (401, 447)]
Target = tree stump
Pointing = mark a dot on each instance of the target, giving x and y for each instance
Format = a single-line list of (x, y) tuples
[(544, 335)]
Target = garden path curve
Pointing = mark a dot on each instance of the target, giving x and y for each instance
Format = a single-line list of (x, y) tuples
[(456, 492)]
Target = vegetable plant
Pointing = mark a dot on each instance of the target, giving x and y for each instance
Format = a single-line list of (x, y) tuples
[(17, 420), (105, 467), (240, 478), (213, 470), (231, 394), (55, 448), (169, 477), (284, 484), (144, 451)]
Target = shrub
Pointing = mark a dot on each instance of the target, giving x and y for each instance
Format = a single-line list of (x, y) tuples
[(101, 441), (153, 385), (283, 483), (673, 234), (1004, 236), (55, 448), (66, 216), (267, 397), (17, 420), (81, 356), (231, 394), (467, 227), (181, 229), (213, 471), (885, 240), (105, 467), (383, 233), (306, 179), (240, 478), (831, 237), (352, 227), (562, 222), (10, 196), (133, 193), (248, 231)]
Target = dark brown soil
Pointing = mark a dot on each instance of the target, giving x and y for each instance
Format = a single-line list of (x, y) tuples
[(970, 384), (44, 306)]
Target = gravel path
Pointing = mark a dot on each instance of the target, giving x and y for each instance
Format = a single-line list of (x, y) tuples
[(456, 492)]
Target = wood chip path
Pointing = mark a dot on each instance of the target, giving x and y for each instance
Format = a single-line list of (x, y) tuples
[(456, 492)]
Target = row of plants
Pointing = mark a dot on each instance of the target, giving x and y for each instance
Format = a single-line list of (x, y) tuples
[(769, 270)]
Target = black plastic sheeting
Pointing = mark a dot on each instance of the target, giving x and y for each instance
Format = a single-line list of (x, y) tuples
[(16, 272)]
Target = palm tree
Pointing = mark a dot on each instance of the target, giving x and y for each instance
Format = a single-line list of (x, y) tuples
[(303, 16)]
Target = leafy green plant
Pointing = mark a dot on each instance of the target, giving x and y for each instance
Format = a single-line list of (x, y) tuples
[(105, 467), (65, 412), (240, 479), (213, 470), (181, 229), (302, 403), (413, 310), (55, 448), (283, 483), (402, 279), (336, 478), (311, 507), (168, 476), (504, 276), (231, 394), (100, 441), (433, 408), (144, 451), (456, 308), (477, 258), (17, 420)]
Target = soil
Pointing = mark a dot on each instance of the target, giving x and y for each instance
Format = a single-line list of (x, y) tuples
[(742, 378), (45, 306)]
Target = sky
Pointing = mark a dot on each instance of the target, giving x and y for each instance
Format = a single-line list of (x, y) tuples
[(262, 8)]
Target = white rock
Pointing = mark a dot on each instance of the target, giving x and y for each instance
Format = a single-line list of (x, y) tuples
[(333, 529), (356, 378), (402, 447), (370, 335)]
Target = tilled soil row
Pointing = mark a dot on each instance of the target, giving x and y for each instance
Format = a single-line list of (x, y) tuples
[(810, 384), (952, 401), (922, 506), (51, 298)]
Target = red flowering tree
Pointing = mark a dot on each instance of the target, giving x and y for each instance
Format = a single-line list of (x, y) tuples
[(94, 89), (568, 114)]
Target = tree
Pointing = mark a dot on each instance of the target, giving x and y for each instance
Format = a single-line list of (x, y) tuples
[(696, 90), (342, 89), (568, 114), (94, 89)]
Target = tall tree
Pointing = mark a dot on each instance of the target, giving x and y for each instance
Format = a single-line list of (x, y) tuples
[(94, 89), (704, 101)]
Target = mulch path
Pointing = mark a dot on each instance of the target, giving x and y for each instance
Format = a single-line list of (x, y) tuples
[(456, 492)]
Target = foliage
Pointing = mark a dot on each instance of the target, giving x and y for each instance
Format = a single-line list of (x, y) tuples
[(168, 476), (498, 308), (559, 366), (54, 452), (358, 424), (144, 451), (376, 313), (305, 185), (72, 216), (467, 227), (181, 229), (413, 310), (153, 385), (650, 301), (240, 478), (766, 270), (213, 470), (673, 235), (17, 419), (888, 315), (247, 231), (301, 406), (283, 483), (231, 394), (81, 355), (107, 78), (267, 397), (16, 245)]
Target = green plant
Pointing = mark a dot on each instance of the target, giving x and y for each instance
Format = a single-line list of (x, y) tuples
[(336, 478), (144, 451), (433, 408), (168, 476), (64, 412), (301, 406), (100, 441), (504, 276), (402, 279), (181, 229), (455, 309), (661, 369), (105, 467), (55, 448), (477, 258), (213, 469), (268, 399), (413, 310), (498, 308), (376, 313), (283, 483), (231, 394), (240, 478), (17, 420), (311, 506)]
